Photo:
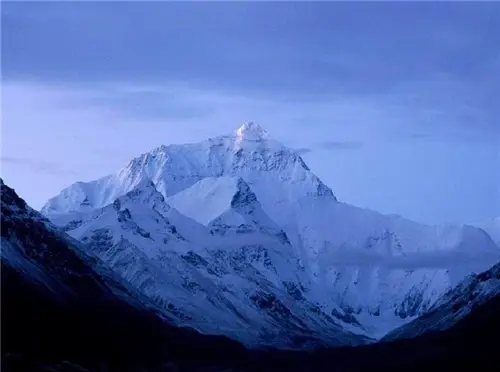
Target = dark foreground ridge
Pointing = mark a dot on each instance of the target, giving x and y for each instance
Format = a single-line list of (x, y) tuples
[(56, 307), (70, 317), (40, 335)]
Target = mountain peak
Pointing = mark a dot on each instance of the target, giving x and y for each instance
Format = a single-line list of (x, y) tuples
[(225, 204), (243, 196), (210, 197), (251, 131), (144, 192), (277, 175)]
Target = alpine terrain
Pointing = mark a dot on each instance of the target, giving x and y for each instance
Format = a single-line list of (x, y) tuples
[(61, 310), (236, 236)]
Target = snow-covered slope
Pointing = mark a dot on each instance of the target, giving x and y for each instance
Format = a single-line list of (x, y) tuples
[(234, 216), (209, 277), (386, 266), (225, 204), (492, 227), (355, 263), (454, 305), (210, 198)]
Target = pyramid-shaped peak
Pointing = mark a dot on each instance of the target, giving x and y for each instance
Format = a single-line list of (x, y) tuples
[(251, 131), (210, 197), (145, 190), (243, 196)]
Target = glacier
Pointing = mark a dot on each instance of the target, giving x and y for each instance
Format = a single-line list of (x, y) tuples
[(236, 235)]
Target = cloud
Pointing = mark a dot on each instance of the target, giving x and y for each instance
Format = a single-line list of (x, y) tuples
[(341, 145), (281, 50), (38, 165), (331, 145), (147, 102), (302, 150)]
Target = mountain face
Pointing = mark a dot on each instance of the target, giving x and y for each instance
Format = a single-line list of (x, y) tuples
[(59, 305), (237, 276), (386, 270), (454, 305), (245, 198)]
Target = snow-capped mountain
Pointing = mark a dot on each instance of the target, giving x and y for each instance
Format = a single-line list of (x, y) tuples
[(454, 305), (247, 189), (277, 175), (236, 279)]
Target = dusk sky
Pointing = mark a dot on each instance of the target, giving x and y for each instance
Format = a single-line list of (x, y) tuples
[(395, 106)]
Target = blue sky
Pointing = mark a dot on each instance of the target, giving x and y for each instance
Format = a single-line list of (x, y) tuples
[(394, 105)]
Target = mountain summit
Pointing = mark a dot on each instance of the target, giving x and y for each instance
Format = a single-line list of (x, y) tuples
[(251, 131), (276, 174)]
